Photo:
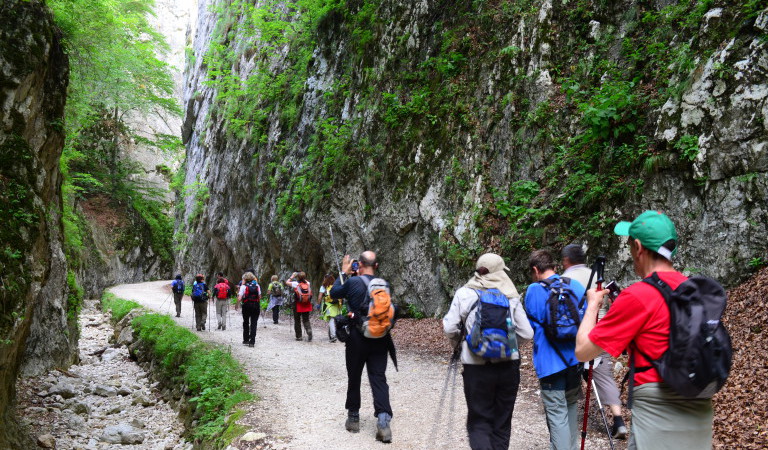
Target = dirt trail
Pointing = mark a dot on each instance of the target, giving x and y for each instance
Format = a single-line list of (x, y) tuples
[(302, 388)]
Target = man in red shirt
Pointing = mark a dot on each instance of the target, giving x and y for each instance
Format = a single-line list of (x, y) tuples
[(638, 322)]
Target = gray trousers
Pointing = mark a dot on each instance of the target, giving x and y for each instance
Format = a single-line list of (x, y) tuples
[(560, 395), (222, 306), (661, 419), (201, 314), (177, 301)]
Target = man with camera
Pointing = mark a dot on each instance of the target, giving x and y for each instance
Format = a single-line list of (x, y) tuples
[(639, 321), (360, 350), (302, 303)]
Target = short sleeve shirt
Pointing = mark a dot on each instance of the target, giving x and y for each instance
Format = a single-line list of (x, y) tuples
[(639, 316)]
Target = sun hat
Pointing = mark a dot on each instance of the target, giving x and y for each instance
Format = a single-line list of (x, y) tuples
[(654, 230)]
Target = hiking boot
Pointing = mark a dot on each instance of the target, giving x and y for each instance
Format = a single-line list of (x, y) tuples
[(299, 339), (251, 344), (223, 327), (383, 432), (353, 422), (619, 431)]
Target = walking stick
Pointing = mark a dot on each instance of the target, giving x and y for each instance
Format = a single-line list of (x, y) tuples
[(602, 414), (209, 316), (598, 269), (166, 299)]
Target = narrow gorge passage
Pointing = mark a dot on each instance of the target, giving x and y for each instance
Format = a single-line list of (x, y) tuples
[(302, 388)]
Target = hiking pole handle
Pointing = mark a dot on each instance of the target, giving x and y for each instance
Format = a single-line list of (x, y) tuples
[(335, 253), (600, 271)]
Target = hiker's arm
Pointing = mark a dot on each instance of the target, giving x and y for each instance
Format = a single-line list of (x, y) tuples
[(523, 327), (586, 350), (453, 320), (339, 290)]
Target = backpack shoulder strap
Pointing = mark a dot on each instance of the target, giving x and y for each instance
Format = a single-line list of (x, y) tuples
[(659, 284)]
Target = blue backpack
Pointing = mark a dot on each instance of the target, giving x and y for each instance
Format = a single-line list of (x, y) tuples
[(564, 311), (493, 333), (177, 286), (198, 292)]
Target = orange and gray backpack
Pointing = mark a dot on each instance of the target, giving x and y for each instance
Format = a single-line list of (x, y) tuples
[(303, 293), (381, 311)]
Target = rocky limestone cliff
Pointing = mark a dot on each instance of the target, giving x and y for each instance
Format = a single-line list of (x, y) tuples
[(433, 131), (34, 320)]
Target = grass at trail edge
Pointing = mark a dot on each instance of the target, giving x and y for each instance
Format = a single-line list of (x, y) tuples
[(214, 379)]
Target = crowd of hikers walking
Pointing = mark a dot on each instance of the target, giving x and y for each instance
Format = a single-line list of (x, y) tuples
[(669, 324)]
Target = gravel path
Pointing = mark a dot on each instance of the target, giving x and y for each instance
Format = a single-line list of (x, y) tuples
[(302, 388)]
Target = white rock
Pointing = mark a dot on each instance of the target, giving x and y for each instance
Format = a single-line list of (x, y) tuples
[(46, 441), (252, 436)]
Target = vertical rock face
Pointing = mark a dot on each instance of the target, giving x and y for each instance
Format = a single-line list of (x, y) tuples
[(419, 182), (33, 294)]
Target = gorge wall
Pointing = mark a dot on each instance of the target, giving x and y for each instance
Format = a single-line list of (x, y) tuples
[(433, 131), (38, 324)]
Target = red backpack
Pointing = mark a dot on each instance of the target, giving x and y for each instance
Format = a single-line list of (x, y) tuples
[(222, 291), (303, 293)]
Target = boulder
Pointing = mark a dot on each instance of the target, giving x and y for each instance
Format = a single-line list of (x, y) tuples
[(64, 389), (122, 434), (46, 441)]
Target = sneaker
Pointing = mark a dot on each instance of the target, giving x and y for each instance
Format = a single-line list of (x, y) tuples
[(353, 422), (383, 432), (619, 431)]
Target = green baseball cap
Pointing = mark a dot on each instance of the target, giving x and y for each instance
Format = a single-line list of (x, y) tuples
[(654, 230)]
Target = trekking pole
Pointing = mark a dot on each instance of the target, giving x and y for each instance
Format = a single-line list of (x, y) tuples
[(602, 414), (598, 269), (209, 316), (452, 368), (166, 299), (335, 253)]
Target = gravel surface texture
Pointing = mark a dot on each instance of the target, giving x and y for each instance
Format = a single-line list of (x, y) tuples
[(302, 387)]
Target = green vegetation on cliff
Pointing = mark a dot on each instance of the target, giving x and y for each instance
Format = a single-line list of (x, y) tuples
[(115, 74), (404, 100)]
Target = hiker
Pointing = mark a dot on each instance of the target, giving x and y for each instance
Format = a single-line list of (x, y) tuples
[(490, 381), (276, 297), (221, 293), (200, 295), (302, 303), (250, 298), (639, 322), (361, 351), (331, 308), (573, 261), (177, 287), (556, 366)]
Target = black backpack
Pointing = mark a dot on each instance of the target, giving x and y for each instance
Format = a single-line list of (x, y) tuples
[(698, 360)]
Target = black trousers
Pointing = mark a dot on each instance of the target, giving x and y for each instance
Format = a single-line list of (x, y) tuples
[(251, 311), (275, 313), (490, 391), (372, 353)]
